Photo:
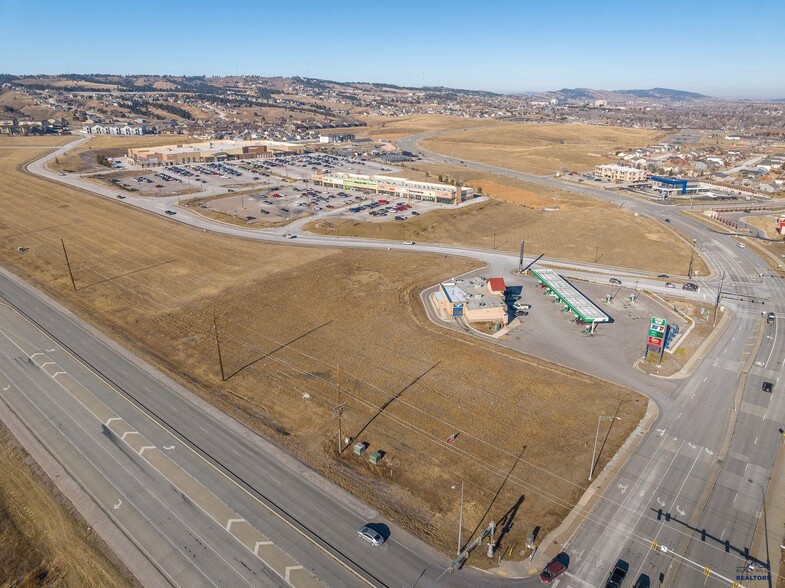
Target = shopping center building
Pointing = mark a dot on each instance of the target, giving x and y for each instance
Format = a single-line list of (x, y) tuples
[(209, 151), (395, 187)]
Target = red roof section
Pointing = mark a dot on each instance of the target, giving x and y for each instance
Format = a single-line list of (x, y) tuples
[(497, 284)]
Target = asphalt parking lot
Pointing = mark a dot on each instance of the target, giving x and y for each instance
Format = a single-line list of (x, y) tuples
[(546, 329)]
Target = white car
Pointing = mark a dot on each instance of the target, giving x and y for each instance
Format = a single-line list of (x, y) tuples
[(370, 535), (521, 306), (289, 236), (408, 242), (741, 245)]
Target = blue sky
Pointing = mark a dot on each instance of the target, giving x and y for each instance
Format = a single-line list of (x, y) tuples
[(721, 48)]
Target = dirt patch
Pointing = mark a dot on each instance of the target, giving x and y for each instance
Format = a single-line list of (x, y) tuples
[(42, 541), (297, 324), (540, 148), (765, 223)]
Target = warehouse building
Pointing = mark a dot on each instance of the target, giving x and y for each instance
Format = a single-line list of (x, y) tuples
[(395, 187), (619, 173), (209, 151)]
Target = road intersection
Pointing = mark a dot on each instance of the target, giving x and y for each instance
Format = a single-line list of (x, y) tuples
[(704, 465)]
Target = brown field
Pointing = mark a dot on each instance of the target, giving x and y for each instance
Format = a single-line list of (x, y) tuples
[(540, 148), (41, 542), (83, 157), (604, 231), (35, 141), (406, 384), (765, 223), (399, 127)]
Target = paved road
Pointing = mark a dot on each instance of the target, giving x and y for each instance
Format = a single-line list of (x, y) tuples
[(206, 500), (684, 478), (684, 465)]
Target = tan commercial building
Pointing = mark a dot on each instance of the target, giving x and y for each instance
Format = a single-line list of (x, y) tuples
[(395, 187), (475, 300), (208, 151), (620, 173)]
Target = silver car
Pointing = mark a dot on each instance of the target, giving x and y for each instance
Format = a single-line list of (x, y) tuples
[(371, 536)]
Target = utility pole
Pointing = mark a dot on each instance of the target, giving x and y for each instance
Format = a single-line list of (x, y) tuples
[(339, 408), (719, 297), (520, 259), (218, 345), (68, 263)]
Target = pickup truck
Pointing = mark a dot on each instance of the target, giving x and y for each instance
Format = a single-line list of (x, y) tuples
[(618, 575)]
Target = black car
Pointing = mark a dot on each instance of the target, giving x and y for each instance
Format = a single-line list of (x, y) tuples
[(767, 386), (170, 212), (663, 276), (690, 286)]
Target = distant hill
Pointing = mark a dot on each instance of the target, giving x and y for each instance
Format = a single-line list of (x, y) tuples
[(664, 95)]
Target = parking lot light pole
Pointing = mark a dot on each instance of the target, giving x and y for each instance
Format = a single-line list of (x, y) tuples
[(596, 436)]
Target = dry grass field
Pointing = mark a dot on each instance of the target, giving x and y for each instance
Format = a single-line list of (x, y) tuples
[(83, 157), (35, 141), (540, 148), (399, 127), (299, 324), (41, 542), (765, 223), (617, 237)]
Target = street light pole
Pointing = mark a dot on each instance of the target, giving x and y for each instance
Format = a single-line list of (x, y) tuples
[(765, 520), (596, 436)]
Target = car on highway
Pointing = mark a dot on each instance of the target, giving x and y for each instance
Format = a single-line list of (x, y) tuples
[(408, 242), (741, 245), (289, 236), (667, 220), (552, 571), (370, 535), (768, 386), (170, 212), (690, 286), (121, 197), (770, 317), (663, 276), (670, 285), (615, 281)]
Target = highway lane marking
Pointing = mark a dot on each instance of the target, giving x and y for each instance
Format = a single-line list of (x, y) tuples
[(236, 453), (112, 419), (678, 417), (230, 522), (277, 482), (112, 484), (182, 483), (315, 488), (170, 406), (200, 495), (675, 498)]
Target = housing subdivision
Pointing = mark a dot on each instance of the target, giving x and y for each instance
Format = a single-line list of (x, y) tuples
[(395, 187)]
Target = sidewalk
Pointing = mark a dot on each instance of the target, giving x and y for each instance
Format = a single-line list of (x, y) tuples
[(554, 542), (768, 540)]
